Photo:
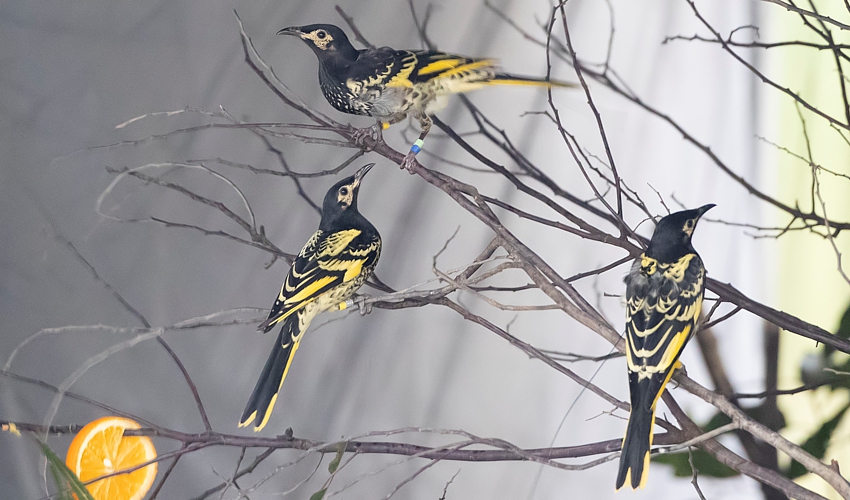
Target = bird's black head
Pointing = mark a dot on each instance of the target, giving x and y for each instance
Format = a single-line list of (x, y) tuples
[(341, 199), (672, 237), (326, 40)]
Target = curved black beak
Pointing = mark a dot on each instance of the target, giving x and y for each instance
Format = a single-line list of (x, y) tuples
[(705, 208), (292, 30), (358, 176)]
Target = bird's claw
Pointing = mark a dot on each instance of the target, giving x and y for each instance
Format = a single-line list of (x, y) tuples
[(409, 163), (375, 132), (362, 305)]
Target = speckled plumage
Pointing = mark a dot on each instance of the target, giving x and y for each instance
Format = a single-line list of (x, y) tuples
[(390, 84)]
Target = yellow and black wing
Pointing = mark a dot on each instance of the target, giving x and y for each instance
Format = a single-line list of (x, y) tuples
[(662, 310), (327, 260), (473, 72), (330, 262), (405, 68), (663, 304), (431, 64)]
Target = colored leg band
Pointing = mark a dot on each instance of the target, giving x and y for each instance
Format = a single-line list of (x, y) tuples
[(417, 146)]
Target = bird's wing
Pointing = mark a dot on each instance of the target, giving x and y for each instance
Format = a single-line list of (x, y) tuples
[(661, 316), (327, 260), (388, 67), (378, 81), (380, 67), (431, 65)]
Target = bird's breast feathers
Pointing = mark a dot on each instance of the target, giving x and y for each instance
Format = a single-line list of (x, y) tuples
[(379, 102)]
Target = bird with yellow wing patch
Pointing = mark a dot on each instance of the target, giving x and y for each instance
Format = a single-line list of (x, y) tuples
[(664, 291), (333, 264), (389, 84)]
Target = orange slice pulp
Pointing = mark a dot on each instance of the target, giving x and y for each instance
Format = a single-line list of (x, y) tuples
[(100, 448)]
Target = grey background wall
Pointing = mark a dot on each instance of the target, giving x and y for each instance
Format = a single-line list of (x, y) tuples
[(72, 71)]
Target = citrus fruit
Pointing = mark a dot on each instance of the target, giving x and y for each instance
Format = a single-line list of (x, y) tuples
[(100, 448)]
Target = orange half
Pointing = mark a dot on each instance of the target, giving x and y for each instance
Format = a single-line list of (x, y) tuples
[(100, 448)]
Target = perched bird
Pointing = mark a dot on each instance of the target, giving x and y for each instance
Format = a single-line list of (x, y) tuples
[(664, 291), (389, 84), (333, 264)]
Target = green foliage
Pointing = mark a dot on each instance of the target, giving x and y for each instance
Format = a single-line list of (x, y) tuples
[(340, 451), (817, 443), (332, 468), (67, 482), (843, 332), (843, 328), (840, 380), (717, 421), (704, 463), (319, 495)]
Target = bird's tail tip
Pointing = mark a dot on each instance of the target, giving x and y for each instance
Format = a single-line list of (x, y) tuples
[(634, 477), (257, 416), (263, 398), (634, 458)]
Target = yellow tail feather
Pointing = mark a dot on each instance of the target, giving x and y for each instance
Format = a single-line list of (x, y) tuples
[(532, 83), (270, 407)]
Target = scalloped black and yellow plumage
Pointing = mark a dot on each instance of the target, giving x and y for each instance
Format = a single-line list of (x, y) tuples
[(664, 291), (389, 84), (333, 264)]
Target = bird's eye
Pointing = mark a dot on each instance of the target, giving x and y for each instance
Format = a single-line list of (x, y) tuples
[(689, 224), (321, 34), (343, 191)]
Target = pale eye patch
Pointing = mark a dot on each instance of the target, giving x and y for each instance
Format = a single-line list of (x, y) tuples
[(320, 38), (345, 196)]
